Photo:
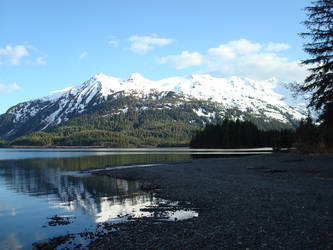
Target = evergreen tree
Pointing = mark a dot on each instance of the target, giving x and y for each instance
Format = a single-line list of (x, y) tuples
[(320, 49), (327, 125), (320, 82), (308, 136)]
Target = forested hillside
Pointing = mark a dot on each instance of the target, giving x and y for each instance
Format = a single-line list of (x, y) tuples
[(133, 122), (238, 134)]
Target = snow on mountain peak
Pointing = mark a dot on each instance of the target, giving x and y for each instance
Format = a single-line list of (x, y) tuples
[(135, 77), (55, 95), (234, 90), (242, 93), (106, 83)]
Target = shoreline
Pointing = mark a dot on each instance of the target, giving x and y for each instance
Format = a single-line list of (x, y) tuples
[(275, 201), (267, 201)]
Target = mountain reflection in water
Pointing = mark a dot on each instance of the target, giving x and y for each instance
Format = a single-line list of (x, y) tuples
[(33, 190)]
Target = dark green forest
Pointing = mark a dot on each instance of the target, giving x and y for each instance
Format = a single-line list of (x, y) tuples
[(241, 134)]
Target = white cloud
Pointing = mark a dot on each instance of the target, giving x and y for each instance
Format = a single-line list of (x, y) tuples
[(41, 60), (37, 56), (83, 54), (260, 66), (143, 44), (183, 60), (253, 60), (9, 88), (13, 55), (223, 52), (233, 49), (113, 43), (244, 46), (242, 58), (277, 47)]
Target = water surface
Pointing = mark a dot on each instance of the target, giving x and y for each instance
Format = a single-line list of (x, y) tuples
[(37, 185)]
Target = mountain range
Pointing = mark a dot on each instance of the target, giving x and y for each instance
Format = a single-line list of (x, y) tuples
[(136, 111)]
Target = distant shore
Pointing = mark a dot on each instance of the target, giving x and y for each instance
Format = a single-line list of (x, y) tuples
[(276, 201), (97, 146)]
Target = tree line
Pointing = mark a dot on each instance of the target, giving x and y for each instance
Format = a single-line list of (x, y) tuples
[(241, 134)]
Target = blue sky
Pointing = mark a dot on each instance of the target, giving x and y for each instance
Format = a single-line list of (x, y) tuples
[(48, 45)]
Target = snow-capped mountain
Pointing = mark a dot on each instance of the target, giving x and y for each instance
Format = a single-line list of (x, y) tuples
[(248, 97)]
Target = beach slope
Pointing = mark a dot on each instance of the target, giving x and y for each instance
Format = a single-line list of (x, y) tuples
[(276, 201)]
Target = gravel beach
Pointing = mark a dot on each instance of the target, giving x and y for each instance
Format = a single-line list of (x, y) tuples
[(277, 201)]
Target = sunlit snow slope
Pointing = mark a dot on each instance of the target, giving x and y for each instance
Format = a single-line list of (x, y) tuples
[(248, 96)]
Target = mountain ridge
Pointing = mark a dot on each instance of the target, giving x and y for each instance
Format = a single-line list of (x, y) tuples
[(247, 96)]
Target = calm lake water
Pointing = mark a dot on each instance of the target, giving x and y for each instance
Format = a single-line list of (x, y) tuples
[(37, 185)]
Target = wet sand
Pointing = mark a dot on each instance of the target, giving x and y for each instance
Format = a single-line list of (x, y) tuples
[(277, 201)]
